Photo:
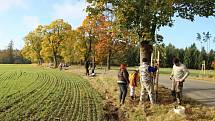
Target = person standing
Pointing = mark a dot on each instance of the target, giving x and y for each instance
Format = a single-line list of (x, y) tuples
[(146, 80), (123, 81), (61, 66), (87, 65), (178, 76), (133, 78)]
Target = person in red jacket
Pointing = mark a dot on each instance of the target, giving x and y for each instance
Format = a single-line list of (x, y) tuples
[(123, 81)]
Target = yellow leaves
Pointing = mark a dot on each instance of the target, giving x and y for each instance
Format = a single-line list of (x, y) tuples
[(46, 39), (52, 38)]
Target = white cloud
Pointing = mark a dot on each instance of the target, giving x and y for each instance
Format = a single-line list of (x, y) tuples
[(7, 4), (30, 22), (71, 12)]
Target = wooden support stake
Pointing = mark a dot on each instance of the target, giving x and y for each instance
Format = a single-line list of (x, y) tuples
[(157, 77)]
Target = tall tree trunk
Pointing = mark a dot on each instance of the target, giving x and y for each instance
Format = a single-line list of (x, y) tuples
[(90, 47), (39, 61), (145, 50), (93, 65), (55, 60), (108, 59)]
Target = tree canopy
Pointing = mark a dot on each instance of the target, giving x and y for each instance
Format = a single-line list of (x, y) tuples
[(143, 17)]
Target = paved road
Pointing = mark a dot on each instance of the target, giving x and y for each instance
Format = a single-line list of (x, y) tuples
[(201, 91)]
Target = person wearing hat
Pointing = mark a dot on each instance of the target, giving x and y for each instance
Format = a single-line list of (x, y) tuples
[(123, 81)]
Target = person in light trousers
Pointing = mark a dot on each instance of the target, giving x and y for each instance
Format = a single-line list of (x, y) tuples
[(133, 78), (178, 76), (146, 80)]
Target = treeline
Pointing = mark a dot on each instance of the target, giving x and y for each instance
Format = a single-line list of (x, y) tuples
[(93, 41), (96, 40), (192, 57), (12, 56)]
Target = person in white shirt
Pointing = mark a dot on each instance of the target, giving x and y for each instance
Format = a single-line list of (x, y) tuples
[(61, 66), (178, 76), (146, 80)]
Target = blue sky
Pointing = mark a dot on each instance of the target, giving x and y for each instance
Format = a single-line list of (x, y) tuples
[(18, 17), (184, 32)]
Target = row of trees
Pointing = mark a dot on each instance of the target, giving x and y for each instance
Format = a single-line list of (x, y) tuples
[(113, 29), (12, 56), (59, 42), (92, 41), (190, 56)]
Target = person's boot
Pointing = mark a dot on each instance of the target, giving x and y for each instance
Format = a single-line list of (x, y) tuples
[(173, 93), (132, 97), (178, 97)]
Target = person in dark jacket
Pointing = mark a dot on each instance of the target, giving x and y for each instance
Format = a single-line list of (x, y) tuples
[(123, 81), (87, 65)]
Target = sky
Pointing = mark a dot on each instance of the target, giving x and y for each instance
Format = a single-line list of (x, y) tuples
[(18, 17)]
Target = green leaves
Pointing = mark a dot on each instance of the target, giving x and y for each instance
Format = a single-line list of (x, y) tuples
[(144, 16)]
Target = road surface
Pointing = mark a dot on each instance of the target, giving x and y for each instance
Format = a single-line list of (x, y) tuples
[(201, 91)]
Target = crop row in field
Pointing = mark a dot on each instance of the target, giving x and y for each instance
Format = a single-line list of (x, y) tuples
[(47, 95)]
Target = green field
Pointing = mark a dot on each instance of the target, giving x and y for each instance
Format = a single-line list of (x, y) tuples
[(33, 93)]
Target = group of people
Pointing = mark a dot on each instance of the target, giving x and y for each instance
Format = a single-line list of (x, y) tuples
[(145, 74), (61, 65), (90, 66)]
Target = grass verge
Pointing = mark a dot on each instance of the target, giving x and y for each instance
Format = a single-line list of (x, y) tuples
[(105, 83)]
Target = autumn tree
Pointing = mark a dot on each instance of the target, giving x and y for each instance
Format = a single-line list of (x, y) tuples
[(81, 45), (110, 41), (104, 47), (68, 47), (91, 35), (86, 39), (109, 48), (33, 45), (143, 17), (54, 36)]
